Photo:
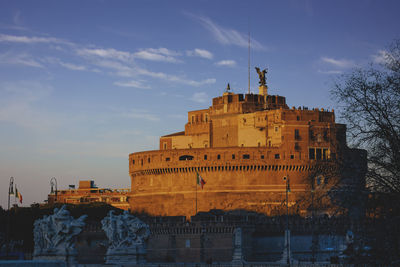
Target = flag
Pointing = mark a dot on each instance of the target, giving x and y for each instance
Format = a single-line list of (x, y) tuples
[(200, 181), (18, 194)]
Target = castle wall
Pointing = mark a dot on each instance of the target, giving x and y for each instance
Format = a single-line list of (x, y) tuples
[(243, 146), (248, 178)]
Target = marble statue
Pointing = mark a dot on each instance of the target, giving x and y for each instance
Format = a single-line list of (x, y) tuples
[(55, 235), (127, 236)]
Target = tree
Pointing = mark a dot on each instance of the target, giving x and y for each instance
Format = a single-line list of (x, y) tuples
[(370, 102)]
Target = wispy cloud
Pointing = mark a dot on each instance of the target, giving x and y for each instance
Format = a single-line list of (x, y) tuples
[(226, 36), (200, 97), (72, 66), (226, 63), (200, 53), (68, 65), (173, 78), (109, 53), (121, 63), (380, 57), (159, 54), (20, 59), (330, 71), (132, 83), (31, 40), (340, 63)]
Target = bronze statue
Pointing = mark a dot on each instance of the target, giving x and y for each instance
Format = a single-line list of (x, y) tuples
[(262, 75)]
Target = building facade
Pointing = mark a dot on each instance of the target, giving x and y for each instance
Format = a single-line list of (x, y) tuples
[(243, 146), (87, 192)]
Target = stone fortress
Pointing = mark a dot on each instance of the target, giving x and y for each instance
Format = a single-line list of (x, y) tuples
[(243, 146)]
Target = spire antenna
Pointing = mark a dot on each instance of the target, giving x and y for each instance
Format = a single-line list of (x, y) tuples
[(249, 58)]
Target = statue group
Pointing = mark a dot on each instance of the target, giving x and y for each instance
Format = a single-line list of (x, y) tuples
[(126, 235), (55, 236)]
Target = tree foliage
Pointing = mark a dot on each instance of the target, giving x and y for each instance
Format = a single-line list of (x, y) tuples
[(370, 102)]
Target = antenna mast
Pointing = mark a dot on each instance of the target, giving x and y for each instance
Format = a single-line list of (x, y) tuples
[(249, 58)]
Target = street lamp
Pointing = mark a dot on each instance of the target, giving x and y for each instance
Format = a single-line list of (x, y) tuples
[(53, 184), (287, 233), (10, 190)]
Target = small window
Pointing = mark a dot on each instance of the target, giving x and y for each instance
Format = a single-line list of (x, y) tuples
[(319, 153), (148, 160), (186, 157), (311, 153), (141, 162), (291, 156), (133, 162), (262, 156), (167, 159), (277, 156), (218, 156), (298, 118), (187, 245), (165, 145), (296, 134), (276, 129), (246, 156), (325, 155), (205, 157), (233, 156)]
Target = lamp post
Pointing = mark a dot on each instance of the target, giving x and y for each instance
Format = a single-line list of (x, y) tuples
[(53, 184), (10, 192), (313, 241), (287, 234)]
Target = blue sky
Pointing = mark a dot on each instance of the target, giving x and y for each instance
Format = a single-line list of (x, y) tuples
[(85, 83)]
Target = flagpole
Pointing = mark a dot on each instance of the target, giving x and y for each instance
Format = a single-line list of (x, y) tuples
[(196, 193)]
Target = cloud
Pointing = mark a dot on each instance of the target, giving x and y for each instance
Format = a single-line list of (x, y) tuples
[(134, 84), (200, 53), (109, 53), (227, 63), (72, 66), (200, 97), (381, 57), (330, 71), (227, 36), (173, 78), (31, 40), (159, 54), (19, 59), (340, 63)]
